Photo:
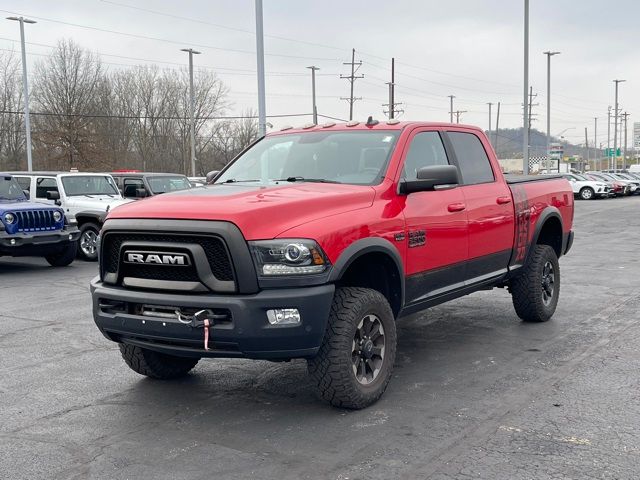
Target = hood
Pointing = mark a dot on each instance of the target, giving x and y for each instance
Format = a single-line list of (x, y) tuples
[(95, 202), (261, 212)]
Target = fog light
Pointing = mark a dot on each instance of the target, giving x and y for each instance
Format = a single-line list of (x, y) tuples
[(13, 241), (71, 236), (283, 316)]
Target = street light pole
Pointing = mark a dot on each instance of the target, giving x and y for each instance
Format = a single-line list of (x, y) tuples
[(25, 87), (549, 54), (615, 129), (525, 101), (451, 97), (262, 109), (192, 110), (608, 136), (313, 69)]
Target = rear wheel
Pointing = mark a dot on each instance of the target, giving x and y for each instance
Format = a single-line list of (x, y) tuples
[(88, 243), (535, 292), (355, 361), (64, 257), (154, 364), (587, 193)]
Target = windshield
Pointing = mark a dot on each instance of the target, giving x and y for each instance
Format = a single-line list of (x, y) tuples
[(356, 157), (89, 185), (168, 183), (10, 189)]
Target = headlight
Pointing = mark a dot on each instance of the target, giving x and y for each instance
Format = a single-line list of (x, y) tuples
[(288, 257), (9, 218), (57, 216)]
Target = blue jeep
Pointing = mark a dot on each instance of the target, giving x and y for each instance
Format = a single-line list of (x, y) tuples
[(34, 229)]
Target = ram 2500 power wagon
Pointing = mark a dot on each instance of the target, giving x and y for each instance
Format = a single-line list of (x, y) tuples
[(33, 229), (314, 241)]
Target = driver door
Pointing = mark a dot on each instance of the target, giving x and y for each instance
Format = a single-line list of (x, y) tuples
[(436, 225)]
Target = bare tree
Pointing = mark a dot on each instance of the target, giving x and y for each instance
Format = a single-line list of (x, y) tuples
[(12, 137), (66, 89)]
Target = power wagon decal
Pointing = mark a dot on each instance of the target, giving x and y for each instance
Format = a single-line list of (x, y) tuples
[(523, 218)]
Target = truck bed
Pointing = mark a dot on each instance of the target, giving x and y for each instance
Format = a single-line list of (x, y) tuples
[(511, 179)]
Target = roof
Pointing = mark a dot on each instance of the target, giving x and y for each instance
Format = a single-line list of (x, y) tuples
[(145, 174), (361, 126), (54, 174)]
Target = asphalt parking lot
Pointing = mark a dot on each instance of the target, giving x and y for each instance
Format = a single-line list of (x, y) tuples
[(475, 393)]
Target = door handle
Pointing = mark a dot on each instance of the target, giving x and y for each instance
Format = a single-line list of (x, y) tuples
[(503, 200), (456, 207)]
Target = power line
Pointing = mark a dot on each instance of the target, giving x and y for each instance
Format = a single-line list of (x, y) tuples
[(146, 117)]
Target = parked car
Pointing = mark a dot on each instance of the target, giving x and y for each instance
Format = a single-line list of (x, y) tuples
[(34, 229), (618, 187), (633, 182), (351, 227), (587, 189), (85, 198), (136, 185)]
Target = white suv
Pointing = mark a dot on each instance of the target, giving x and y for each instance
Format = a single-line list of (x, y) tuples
[(587, 189), (85, 197)]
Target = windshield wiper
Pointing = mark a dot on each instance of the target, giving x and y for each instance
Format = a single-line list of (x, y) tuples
[(303, 179), (233, 180)]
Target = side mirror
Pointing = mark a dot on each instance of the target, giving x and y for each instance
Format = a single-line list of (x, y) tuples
[(53, 195), (211, 176), (26, 194), (141, 193), (440, 177)]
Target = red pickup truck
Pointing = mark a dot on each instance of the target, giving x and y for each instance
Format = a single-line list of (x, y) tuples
[(314, 241)]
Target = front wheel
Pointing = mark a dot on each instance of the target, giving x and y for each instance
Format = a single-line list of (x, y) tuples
[(354, 364), (64, 257), (154, 364), (536, 290), (587, 193), (88, 243)]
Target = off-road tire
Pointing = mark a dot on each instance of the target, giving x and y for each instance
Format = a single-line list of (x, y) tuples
[(154, 364), (64, 257), (527, 288), (91, 229), (587, 193), (332, 370)]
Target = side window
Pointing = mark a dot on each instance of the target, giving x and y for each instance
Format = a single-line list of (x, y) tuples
[(130, 187), (426, 150), (24, 182), (44, 185), (472, 158)]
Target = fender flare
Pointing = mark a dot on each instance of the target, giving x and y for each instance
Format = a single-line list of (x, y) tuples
[(97, 215), (363, 247), (548, 213)]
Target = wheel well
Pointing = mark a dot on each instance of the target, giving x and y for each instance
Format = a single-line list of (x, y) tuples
[(82, 219), (378, 271), (551, 234)]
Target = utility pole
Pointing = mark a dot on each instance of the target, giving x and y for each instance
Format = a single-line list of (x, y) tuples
[(458, 113), (391, 106), (495, 145), (355, 66), (549, 54), (489, 135), (609, 136), (586, 147), (313, 69), (615, 129), (531, 105), (451, 97), (525, 130), (624, 151), (262, 108), (192, 108), (25, 87), (596, 156)]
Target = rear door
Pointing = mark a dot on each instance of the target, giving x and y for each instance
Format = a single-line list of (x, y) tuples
[(436, 225), (44, 185), (489, 207)]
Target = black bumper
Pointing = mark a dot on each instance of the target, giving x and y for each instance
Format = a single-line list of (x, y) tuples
[(37, 244), (246, 334)]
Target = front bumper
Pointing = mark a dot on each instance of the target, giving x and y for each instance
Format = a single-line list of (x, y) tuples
[(36, 244), (247, 334)]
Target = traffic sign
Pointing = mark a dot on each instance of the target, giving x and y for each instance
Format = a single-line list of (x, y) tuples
[(609, 152)]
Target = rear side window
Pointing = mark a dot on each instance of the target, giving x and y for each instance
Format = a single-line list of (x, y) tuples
[(426, 150), (472, 158)]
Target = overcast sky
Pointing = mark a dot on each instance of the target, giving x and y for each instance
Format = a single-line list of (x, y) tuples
[(468, 48)]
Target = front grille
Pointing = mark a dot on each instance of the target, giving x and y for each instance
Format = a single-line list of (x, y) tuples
[(214, 248), (36, 221)]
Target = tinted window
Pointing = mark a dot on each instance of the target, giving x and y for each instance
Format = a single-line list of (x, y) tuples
[(472, 159), (426, 150), (44, 185), (130, 187)]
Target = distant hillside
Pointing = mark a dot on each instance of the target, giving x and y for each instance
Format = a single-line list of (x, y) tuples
[(510, 143)]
